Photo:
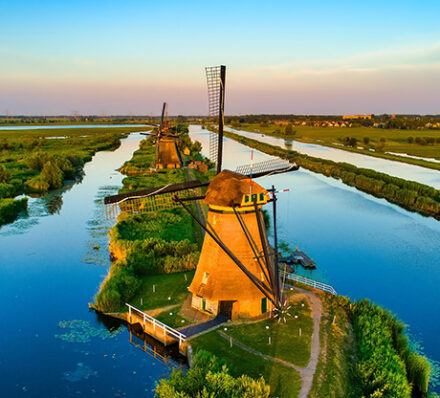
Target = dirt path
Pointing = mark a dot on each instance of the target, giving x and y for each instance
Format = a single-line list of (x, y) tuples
[(308, 372)]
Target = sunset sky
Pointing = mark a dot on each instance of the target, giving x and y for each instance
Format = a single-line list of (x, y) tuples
[(308, 57)]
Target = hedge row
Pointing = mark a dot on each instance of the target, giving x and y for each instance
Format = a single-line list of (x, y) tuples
[(408, 194)]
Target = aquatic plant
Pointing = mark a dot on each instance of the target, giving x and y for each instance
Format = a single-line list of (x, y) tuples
[(80, 331)]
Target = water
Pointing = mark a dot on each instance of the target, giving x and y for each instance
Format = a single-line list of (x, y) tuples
[(397, 169), (52, 346), (48, 273), (67, 126), (363, 246)]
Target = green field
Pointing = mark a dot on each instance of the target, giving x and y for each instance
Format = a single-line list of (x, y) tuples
[(286, 343), (285, 382), (380, 140), (36, 161)]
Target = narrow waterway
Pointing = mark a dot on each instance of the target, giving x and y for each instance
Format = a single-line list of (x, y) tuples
[(50, 344), (363, 246), (397, 169), (65, 126)]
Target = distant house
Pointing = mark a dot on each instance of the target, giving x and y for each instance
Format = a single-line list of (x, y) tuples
[(345, 117), (186, 151)]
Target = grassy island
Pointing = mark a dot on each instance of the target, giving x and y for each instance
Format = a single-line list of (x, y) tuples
[(159, 249), (36, 161)]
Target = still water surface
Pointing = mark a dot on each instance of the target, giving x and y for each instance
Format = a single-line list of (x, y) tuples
[(363, 246), (50, 344), (66, 126), (397, 169)]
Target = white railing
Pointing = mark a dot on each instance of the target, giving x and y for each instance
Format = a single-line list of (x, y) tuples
[(310, 282), (167, 330)]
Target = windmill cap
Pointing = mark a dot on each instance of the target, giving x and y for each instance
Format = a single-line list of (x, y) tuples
[(228, 187)]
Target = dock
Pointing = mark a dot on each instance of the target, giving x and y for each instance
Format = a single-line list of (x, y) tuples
[(299, 257), (156, 329)]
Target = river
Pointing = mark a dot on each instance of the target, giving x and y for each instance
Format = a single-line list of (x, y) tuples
[(50, 344), (363, 246), (397, 169)]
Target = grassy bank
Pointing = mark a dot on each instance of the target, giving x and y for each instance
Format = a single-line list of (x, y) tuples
[(365, 140), (283, 381), (410, 195), (36, 161), (148, 248)]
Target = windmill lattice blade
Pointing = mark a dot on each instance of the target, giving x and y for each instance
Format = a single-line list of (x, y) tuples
[(150, 200), (214, 87), (267, 167)]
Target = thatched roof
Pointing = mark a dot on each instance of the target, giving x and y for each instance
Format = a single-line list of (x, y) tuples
[(227, 187)]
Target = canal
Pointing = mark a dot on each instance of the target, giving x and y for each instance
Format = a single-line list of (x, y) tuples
[(50, 344), (363, 246), (394, 168)]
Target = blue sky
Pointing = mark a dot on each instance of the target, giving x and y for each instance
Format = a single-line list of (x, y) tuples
[(120, 57)]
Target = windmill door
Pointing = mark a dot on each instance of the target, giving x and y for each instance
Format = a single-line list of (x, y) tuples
[(264, 305), (226, 308)]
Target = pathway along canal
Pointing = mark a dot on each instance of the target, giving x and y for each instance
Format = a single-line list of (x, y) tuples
[(363, 246), (50, 344)]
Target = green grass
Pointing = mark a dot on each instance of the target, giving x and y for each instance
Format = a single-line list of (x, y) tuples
[(173, 318), (395, 140), (286, 343), (284, 381), (335, 374), (170, 289)]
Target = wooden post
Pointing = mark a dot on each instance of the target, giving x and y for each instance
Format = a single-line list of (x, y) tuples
[(270, 340), (230, 342), (154, 288), (129, 313), (300, 332)]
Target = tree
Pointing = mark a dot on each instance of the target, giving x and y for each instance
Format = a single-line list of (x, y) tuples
[(410, 140), (210, 378), (289, 129), (5, 176), (366, 140)]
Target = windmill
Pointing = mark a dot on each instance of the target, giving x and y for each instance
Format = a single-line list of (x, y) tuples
[(238, 271), (167, 155)]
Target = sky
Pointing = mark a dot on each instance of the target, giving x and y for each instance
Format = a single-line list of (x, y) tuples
[(296, 57)]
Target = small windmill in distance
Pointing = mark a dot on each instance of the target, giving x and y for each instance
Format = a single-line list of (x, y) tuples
[(167, 155), (238, 272)]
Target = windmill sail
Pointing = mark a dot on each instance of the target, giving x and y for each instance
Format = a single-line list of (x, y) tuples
[(273, 166), (151, 200), (216, 77)]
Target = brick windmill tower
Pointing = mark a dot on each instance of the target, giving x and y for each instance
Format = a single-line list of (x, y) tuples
[(250, 286), (237, 274)]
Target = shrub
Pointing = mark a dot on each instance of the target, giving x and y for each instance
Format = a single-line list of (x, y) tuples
[(209, 377), (11, 208), (410, 140), (52, 175), (7, 190), (366, 140), (5, 176)]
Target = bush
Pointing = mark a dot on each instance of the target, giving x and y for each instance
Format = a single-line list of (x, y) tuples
[(11, 208), (7, 190), (52, 175), (366, 140), (410, 140), (5, 176), (209, 377)]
